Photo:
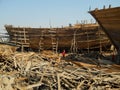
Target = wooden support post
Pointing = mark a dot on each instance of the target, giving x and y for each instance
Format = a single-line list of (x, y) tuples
[(22, 48), (57, 46), (15, 38), (88, 42), (24, 35), (74, 44), (118, 56), (41, 41), (100, 42)]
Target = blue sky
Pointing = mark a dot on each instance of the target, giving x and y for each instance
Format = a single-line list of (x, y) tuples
[(36, 13)]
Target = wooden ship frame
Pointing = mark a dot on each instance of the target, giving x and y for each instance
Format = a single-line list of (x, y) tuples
[(80, 36)]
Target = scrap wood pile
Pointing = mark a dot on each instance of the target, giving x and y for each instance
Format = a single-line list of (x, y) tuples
[(34, 71), (90, 58)]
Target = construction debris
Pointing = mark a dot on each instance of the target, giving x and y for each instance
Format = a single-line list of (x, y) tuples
[(47, 71)]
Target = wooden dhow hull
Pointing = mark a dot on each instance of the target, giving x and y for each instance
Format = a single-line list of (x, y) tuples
[(109, 19), (86, 36)]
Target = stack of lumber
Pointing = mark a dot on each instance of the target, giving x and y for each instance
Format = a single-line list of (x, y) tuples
[(46, 71)]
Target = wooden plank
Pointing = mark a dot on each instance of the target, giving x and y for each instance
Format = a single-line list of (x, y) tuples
[(58, 78)]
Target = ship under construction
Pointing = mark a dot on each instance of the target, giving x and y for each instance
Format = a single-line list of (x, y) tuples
[(73, 38)]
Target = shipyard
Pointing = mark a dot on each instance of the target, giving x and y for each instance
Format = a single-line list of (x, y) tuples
[(84, 55)]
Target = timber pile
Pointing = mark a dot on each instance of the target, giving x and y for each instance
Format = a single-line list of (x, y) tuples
[(6, 49), (91, 58), (34, 71)]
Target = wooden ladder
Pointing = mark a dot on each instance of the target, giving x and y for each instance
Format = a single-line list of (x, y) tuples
[(54, 44), (41, 43), (23, 39), (54, 40)]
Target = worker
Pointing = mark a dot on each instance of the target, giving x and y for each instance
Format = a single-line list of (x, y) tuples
[(63, 53)]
